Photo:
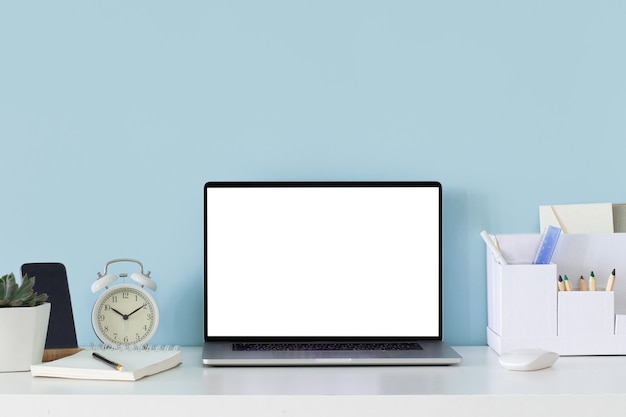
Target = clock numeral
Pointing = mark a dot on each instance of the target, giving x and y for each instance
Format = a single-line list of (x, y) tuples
[(105, 329), (114, 299), (125, 295), (101, 317)]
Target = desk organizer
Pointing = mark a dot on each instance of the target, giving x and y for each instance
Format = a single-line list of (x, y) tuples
[(526, 310)]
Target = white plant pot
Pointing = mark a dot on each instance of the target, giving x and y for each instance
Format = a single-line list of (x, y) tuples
[(23, 332)]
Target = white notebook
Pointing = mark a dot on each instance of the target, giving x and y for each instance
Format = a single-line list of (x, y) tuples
[(84, 365)]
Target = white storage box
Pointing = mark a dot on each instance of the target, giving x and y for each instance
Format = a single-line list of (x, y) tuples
[(526, 310)]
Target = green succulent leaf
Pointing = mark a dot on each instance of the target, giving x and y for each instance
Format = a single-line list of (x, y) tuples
[(14, 295), (10, 291), (25, 289)]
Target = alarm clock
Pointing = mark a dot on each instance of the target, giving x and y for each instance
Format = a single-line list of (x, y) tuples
[(125, 314)]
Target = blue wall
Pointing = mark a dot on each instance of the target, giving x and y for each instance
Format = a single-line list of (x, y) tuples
[(113, 114)]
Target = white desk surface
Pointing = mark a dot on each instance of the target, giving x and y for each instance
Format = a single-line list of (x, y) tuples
[(573, 386)]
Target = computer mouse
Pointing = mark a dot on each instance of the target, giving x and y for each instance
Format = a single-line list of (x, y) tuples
[(528, 359)]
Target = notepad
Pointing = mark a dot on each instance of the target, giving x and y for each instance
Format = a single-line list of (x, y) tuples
[(82, 365), (578, 218)]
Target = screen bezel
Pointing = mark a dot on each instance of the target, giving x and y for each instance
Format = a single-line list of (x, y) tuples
[(261, 184)]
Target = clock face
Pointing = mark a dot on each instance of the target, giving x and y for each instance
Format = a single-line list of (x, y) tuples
[(125, 315)]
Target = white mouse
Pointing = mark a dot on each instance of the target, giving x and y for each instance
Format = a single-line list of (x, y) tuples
[(528, 359)]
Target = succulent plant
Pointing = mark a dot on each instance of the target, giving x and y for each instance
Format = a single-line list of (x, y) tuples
[(13, 295)]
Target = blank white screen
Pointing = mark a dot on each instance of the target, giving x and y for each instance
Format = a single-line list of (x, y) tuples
[(322, 261)]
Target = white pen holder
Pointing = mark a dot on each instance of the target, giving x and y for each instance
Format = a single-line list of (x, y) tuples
[(521, 300), (586, 313), (526, 309)]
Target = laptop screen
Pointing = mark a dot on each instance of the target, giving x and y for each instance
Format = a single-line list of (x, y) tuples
[(323, 259)]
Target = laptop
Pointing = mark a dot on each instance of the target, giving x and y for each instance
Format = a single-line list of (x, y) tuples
[(323, 273)]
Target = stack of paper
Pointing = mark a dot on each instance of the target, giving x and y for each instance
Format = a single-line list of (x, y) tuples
[(136, 364)]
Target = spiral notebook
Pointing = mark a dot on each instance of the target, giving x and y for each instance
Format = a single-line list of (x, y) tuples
[(122, 365)]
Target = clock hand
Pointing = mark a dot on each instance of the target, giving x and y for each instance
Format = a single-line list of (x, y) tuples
[(123, 315), (136, 310)]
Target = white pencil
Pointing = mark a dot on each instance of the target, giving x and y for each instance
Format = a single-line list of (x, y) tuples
[(492, 247)]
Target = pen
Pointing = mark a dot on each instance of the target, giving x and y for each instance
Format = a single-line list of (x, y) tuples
[(561, 284), (582, 285), (611, 283), (592, 282), (568, 285), (108, 361), (492, 247)]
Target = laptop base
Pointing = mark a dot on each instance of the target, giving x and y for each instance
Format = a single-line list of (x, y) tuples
[(431, 353)]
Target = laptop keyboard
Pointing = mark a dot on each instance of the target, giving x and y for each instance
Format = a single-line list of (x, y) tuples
[(325, 346)]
